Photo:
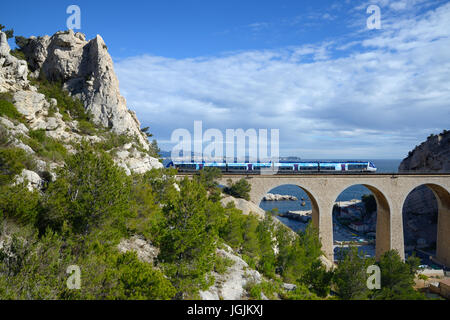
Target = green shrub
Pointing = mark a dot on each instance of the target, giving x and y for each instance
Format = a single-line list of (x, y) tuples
[(45, 146), (7, 109), (86, 127), (222, 264), (12, 162), (20, 204), (240, 189), (90, 189), (113, 140), (38, 135), (68, 106), (4, 137), (138, 280), (254, 290), (18, 54)]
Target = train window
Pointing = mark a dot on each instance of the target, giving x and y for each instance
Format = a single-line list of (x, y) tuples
[(357, 166), (285, 168), (304, 168), (237, 168), (187, 166), (328, 168)]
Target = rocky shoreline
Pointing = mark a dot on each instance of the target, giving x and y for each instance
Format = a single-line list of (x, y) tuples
[(302, 216), (279, 197)]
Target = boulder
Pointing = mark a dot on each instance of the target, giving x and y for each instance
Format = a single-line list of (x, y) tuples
[(33, 179)]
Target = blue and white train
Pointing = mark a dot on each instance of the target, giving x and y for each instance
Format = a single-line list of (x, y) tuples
[(280, 167)]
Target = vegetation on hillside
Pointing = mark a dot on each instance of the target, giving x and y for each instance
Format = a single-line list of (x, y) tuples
[(80, 218), (239, 189)]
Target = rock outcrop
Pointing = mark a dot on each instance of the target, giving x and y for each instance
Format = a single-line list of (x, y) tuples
[(145, 251), (279, 197), (86, 70), (245, 206), (433, 155), (32, 179), (420, 207), (13, 72), (231, 284)]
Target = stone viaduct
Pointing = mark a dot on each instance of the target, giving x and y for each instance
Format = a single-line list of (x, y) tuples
[(390, 191)]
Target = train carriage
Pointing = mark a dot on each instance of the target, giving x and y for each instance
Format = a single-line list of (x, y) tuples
[(278, 167)]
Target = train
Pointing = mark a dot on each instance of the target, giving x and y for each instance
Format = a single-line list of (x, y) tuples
[(279, 167)]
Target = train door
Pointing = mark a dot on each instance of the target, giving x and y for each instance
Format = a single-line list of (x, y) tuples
[(343, 167), (250, 167), (295, 167), (200, 166)]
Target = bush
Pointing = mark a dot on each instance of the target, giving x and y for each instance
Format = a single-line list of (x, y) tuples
[(4, 137), (45, 146), (138, 280), (12, 162), (240, 189), (222, 264), (86, 127), (20, 204), (190, 233), (350, 276), (68, 106), (89, 189), (208, 176), (254, 290), (7, 109), (18, 54), (397, 278)]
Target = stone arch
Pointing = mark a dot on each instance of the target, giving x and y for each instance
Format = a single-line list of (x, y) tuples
[(442, 196), (383, 226)]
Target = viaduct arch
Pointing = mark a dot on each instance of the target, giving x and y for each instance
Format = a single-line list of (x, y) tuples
[(390, 192)]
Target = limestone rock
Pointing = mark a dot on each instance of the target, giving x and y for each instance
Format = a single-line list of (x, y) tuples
[(13, 72), (31, 104), (135, 162), (230, 286), (144, 250), (34, 181), (279, 197), (433, 155), (86, 69), (245, 206)]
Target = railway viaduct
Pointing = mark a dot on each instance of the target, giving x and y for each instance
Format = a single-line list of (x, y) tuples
[(390, 191)]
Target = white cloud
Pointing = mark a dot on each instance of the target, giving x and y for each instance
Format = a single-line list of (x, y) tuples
[(379, 101)]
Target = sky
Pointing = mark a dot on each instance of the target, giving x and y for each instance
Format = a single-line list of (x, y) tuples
[(312, 69)]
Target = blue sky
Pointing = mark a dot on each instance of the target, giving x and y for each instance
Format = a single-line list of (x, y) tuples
[(312, 69)]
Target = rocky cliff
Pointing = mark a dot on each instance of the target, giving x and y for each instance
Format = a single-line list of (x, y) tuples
[(420, 208), (433, 155), (85, 70)]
